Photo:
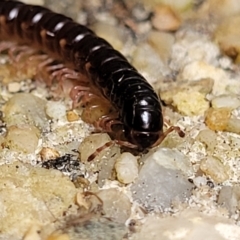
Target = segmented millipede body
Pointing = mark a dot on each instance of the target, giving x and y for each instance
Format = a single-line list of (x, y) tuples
[(135, 101)]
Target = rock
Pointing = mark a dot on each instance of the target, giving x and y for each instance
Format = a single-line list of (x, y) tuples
[(233, 125), (149, 63), (162, 42), (14, 87), (190, 103), (198, 70), (217, 119), (114, 35), (126, 167), (208, 137), (225, 101), (214, 168), (25, 108), (89, 227), (229, 197), (90, 145), (24, 194), (221, 11), (22, 139), (72, 116), (188, 225), (116, 205), (162, 179), (165, 18)]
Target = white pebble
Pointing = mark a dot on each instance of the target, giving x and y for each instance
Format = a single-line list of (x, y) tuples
[(127, 168), (14, 87), (208, 137), (226, 101)]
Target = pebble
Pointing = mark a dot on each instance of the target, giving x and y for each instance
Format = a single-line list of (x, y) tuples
[(14, 87), (162, 42), (191, 47), (33, 233), (229, 197), (105, 159), (114, 35), (225, 101), (159, 185), (221, 11), (149, 63), (22, 138), (91, 143), (69, 8), (214, 168), (209, 138), (47, 153), (58, 236), (30, 189), (188, 225), (72, 116), (190, 103), (116, 205), (165, 18), (227, 35), (167, 93), (126, 167), (199, 70), (233, 125), (90, 227), (217, 119), (37, 2), (26, 109)]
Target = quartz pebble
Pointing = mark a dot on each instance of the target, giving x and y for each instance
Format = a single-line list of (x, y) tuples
[(162, 42), (126, 167), (25, 108), (159, 185), (72, 116), (47, 153), (91, 143), (22, 138), (208, 137), (225, 101), (90, 227), (198, 70), (112, 34), (202, 86), (165, 18), (233, 125), (148, 61), (214, 168), (33, 233), (226, 35), (30, 189), (116, 205), (217, 119), (229, 197), (220, 11), (14, 87), (188, 225), (190, 103)]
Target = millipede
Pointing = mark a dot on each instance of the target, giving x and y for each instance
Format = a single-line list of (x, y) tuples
[(137, 106)]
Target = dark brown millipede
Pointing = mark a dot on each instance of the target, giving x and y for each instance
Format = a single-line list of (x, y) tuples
[(137, 106)]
